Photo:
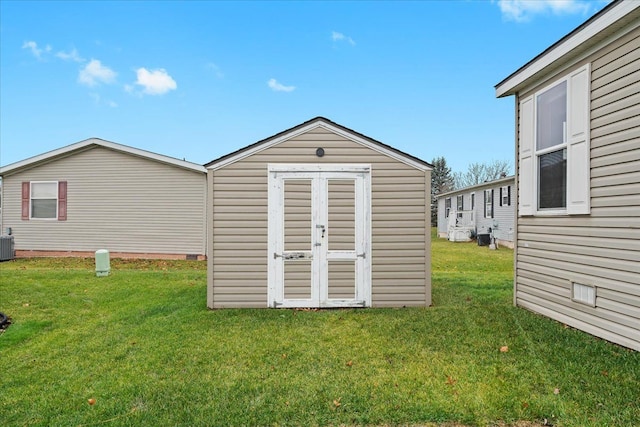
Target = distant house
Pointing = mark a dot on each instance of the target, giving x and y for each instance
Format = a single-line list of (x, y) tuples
[(578, 177), (485, 209), (97, 194), (319, 216)]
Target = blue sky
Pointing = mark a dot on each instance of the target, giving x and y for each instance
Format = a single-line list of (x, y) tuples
[(197, 80)]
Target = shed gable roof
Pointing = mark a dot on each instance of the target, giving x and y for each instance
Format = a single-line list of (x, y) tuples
[(575, 45), (96, 142), (313, 124)]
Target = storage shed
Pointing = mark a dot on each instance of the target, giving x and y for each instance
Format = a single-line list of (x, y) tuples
[(318, 216)]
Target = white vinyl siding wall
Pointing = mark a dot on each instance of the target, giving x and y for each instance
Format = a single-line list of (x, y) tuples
[(602, 249), (400, 195), (442, 217), (115, 201), (503, 217)]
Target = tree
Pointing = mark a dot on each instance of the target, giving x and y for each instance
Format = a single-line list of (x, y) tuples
[(441, 182), (477, 173)]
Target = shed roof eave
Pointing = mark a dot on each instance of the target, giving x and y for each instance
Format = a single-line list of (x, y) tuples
[(66, 150), (580, 39), (311, 124)]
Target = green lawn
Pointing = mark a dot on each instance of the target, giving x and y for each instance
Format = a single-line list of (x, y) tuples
[(143, 345)]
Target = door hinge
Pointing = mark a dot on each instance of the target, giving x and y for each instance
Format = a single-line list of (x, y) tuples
[(362, 255)]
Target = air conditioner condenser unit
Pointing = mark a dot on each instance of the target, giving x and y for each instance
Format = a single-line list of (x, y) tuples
[(6, 248)]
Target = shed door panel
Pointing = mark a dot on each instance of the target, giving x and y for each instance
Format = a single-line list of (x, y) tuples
[(297, 253), (342, 280), (342, 214), (297, 280), (341, 241)]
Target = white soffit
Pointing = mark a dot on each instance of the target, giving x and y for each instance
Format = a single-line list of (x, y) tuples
[(609, 18)]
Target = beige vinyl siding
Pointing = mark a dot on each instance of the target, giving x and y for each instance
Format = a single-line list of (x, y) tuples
[(297, 237), (341, 233), (601, 249), (116, 201), (400, 235), (341, 215)]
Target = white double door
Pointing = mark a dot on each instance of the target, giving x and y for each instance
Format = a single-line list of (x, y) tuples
[(319, 236)]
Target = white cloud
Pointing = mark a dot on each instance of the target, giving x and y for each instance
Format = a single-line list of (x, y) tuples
[(35, 50), (70, 56), (154, 82), (336, 37), (525, 10), (278, 87), (94, 73)]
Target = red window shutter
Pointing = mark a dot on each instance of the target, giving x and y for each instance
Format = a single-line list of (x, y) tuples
[(26, 188), (62, 200)]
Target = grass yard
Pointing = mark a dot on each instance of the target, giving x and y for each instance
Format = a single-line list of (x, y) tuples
[(143, 345)]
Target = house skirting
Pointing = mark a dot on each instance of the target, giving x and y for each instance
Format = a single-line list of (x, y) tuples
[(505, 243), (84, 254)]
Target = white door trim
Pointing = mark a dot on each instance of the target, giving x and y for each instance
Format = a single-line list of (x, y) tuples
[(319, 173)]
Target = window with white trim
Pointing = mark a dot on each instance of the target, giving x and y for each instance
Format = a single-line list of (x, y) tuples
[(551, 147), (460, 205), (505, 195), (447, 207), (554, 151), (488, 203), (44, 200)]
